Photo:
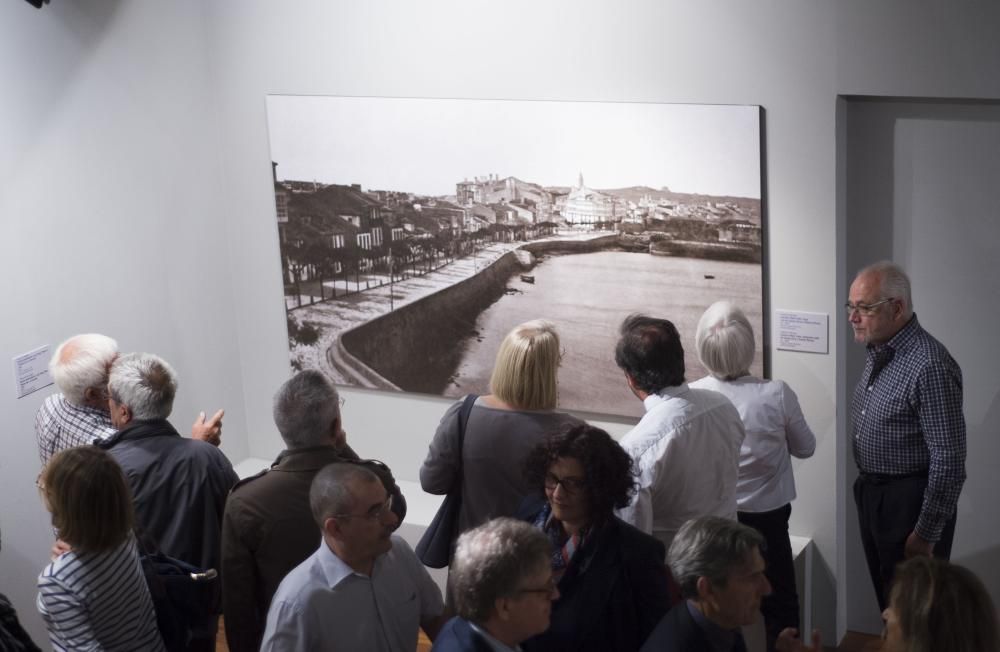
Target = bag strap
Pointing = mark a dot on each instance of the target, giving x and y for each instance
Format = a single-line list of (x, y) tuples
[(463, 420)]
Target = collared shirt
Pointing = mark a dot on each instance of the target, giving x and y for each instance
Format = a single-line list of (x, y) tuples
[(775, 427), (268, 529), (494, 644), (325, 605), (908, 420), (59, 425), (719, 638), (687, 451)]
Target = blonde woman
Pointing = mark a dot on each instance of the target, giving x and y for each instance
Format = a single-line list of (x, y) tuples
[(503, 426), (94, 597)]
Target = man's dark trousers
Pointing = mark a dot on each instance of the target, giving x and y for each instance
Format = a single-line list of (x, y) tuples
[(888, 509)]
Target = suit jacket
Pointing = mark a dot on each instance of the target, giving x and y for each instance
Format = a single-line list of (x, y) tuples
[(458, 636), (612, 594), (678, 632)]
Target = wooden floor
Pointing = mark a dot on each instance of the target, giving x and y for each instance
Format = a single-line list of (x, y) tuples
[(853, 642)]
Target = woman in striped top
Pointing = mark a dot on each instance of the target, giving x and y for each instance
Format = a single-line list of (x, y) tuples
[(94, 597)]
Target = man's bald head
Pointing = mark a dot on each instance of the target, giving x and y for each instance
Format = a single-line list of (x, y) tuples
[(79, 368)]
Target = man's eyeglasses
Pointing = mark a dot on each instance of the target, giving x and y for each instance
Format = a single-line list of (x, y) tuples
[(547, 590), (865, 308), (569, 485), (374, 514)]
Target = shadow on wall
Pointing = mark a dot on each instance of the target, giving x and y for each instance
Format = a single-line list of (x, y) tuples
[(57, 42)]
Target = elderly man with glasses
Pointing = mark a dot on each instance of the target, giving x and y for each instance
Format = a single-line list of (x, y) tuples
[(364, 588), (908, 428), (502, 584)]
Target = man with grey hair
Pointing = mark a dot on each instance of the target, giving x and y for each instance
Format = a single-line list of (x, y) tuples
[(718, 565), (268, 528), (178, 485), (909, 429), (364, 588), (78, 414), (502, 583)]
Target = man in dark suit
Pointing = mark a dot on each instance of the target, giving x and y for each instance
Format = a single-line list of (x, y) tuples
[(502, 584), (718, 565)]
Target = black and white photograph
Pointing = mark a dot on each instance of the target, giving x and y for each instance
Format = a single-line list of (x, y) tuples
[(415, 233)]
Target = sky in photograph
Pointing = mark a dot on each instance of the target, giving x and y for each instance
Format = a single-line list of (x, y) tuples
[(426, 146)]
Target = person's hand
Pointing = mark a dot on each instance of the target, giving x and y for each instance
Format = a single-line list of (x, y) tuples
[(58, 548), (917, 547), (208, 431), (788, 641)]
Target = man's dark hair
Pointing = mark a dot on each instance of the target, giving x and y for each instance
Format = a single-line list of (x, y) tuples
[(650, 352)]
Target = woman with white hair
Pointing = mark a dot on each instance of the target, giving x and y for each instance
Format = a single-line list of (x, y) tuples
[(501, 428), (775, 431)]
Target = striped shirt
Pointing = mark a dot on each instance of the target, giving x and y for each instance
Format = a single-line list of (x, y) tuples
[(908, 420), (98, 601), (59, 424)]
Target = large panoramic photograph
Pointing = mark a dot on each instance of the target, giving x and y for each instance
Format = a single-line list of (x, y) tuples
[(415, 233)]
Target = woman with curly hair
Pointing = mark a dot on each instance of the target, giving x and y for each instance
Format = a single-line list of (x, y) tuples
[(611, 577)]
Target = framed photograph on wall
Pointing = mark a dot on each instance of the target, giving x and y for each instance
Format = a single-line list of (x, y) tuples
[(415, 233)]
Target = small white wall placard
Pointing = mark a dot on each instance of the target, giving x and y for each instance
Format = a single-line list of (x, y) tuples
[(803, 331), (31, 371)]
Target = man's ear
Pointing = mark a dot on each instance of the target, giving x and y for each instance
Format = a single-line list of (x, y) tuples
[(502, 608), (95, 397), (704, 586), (331, 528)]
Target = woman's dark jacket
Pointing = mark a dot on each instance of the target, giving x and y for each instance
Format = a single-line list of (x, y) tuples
[(613, 592)]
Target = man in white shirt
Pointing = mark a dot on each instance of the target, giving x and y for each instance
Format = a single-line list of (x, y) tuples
[(363, 589), (687, 446)]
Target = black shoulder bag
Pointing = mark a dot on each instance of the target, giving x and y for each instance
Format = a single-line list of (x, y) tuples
[(434, 549)]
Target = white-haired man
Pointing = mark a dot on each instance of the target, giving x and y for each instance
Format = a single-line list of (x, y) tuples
[(909, 429), (78, 414), (363, 589)]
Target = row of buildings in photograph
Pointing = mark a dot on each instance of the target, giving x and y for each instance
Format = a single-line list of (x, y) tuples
[(326, 230)]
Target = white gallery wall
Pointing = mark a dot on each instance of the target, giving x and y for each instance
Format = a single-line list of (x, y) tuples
[(136, 197), (111, 220)]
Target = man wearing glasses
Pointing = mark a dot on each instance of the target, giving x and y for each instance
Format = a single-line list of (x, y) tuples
[(502, 581), (268, 528), (909, 431), (364, 588)]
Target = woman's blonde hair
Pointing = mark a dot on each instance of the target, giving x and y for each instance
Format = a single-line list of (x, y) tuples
[(943, 607), (88, 496), (527, 364)]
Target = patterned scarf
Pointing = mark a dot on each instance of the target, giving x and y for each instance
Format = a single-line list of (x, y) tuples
[(563, 545)]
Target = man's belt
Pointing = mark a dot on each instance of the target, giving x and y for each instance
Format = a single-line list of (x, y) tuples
[(884, 478)]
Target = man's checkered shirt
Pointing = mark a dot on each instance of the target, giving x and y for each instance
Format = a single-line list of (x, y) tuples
[(908, 420), (59, 424)]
